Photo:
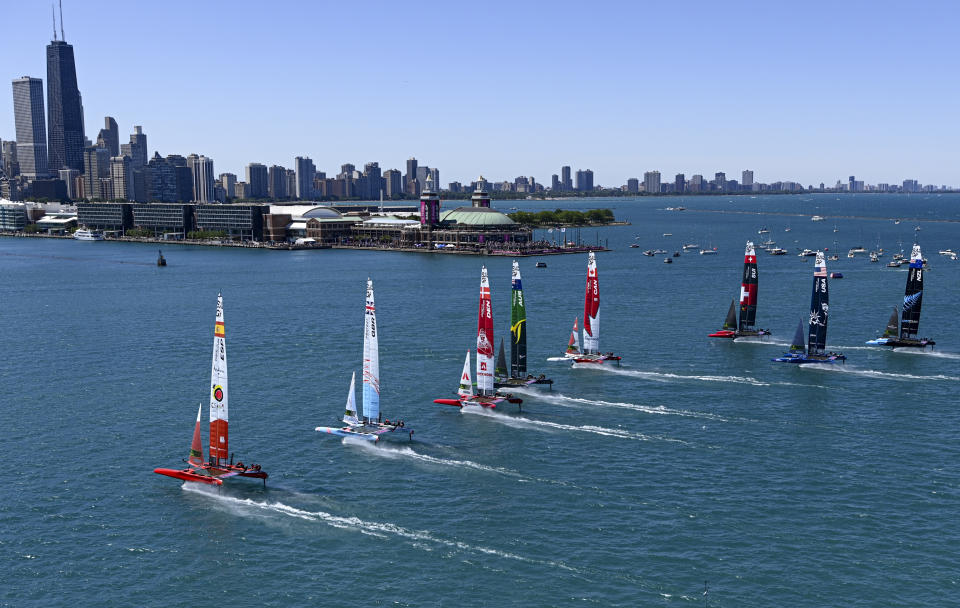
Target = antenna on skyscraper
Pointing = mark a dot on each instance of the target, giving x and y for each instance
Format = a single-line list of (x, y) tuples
[(53, 17), (62, 37)]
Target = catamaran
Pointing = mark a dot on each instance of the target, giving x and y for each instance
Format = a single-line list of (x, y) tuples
[(220, 466), (518, 375), (369, 426), (485, 395), (904, 333), (816, 348), (591, 323), (748, 303)]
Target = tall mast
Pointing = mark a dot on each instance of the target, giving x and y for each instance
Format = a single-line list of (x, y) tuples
[(912, 296), (485, 338), (591, 309), (748, 290), (518, 326), (819, 308), (219, 439), (371, 359)]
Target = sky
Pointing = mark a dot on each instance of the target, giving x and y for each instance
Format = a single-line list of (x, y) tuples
[(803, 91)]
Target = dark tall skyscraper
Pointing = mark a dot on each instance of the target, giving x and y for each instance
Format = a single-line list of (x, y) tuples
[(411, 175), (109, 136), (565, 182), (64, 109), (137, 148)]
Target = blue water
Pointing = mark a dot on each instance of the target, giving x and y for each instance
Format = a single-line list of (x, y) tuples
[(698, 461)]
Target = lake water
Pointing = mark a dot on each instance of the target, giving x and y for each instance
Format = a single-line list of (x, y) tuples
[(698, 462)]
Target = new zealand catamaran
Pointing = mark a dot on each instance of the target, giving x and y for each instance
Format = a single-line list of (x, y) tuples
[(518, 342), (368, 425), (221, 465), (816, 349), (591, 323), (906, 333), (485, 395), (748, 303)]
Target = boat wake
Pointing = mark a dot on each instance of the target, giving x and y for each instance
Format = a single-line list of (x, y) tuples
[(387, 451), (927, 353), (417, 538), (872, 373), (554, 359), (670, 377), (563, 400), (547, 426)]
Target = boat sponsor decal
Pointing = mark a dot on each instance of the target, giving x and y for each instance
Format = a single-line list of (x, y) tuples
[(218, 392), (218, 330), (911, 300)]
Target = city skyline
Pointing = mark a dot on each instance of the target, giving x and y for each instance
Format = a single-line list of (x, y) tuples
[(776, 101)]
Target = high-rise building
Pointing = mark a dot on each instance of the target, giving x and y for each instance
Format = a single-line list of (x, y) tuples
[(695, 184), (203, 178), (122, 175), (565, 182), (229, 182), (746, 179), (109, 136), (371, 171), (69, 177), (679, 183), (162, 184), (137, 148), (96, 166), (65, 107), (392, 183), (11, 166), (306, 172), (555, 182), (720, 181), (277, 182), (31, 135), (585, 180), (633, 185), (651, 182), (257, 180), (411, 176)]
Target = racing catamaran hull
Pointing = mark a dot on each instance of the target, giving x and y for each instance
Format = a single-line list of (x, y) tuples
[(816, 351), (906, 334)]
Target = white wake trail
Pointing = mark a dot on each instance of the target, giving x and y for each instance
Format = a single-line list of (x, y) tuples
[(564, 400), (872, 373), (385, 451)]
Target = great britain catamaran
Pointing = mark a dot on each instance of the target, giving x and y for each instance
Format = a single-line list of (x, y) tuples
[(486, 394), (904, 333), (816, 347), (368, 426), (220, 466), (747, 327), (591, 323), (518, 375)]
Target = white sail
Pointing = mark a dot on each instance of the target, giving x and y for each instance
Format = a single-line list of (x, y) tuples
[(466, 383), (591, 309), (485, 338), (219, 445), (371, 359), (350, 415)]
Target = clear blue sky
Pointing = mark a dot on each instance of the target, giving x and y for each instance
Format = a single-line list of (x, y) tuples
[(807, 91)]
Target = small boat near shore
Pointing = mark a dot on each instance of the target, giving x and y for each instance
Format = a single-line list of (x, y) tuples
[(84, 234)]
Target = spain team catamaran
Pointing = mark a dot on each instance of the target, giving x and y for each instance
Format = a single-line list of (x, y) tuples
[(747, 327), (368, 425), (816, 347), (486, 394), (220, 466), (591, 323), (903, 331), (518, 341)]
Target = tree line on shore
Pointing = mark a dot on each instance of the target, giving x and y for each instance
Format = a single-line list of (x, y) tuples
[(563, 216)]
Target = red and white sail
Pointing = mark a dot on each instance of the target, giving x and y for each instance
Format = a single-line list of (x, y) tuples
[(573, 346), (219, 444), (591, 309), (196, 446), (485, 338), (466, 382)]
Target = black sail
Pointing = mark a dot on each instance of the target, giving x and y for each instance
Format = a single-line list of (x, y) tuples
[(731, 321), (798, 344), (819, 308), (500, 368), (748, 290), (913, 296), (893, 324), (518, 326)]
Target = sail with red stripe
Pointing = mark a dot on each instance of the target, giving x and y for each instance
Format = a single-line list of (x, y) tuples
[(748, 290), (591, 309), (196, 446), (573, 346), (485, 338), (219, 440)]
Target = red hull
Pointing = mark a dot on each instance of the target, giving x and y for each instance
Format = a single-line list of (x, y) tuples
[(490, 404), (189, 475), (215, 475), (723, 333), (598, 360)]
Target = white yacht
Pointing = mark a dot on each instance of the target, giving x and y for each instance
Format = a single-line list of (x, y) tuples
[(84, 234)]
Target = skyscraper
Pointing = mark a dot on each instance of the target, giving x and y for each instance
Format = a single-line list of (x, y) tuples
[(137, 148), (306, 171), (565, 182), (257, 180), (651, 182), (411, 176), (202, 168), (392, 183), (585, 180), (679, 183), (109, 136), (65, 117), (746, 179), (122, 176), (720, 181), (96, 164), (229, 183), (31, 135), (277, 182)]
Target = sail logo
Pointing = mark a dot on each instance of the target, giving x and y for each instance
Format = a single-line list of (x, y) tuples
[(484, 347), (911, 300), (218, 392), (218, 330)]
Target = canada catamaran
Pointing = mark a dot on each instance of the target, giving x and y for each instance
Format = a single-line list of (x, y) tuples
[(518, 342), (221, 465), (485, 395), (816, 351), (591, 323), (369, 425), (906, 333), (748, 303)]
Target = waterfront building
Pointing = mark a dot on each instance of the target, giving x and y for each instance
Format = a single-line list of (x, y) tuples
[(720, 181), (109, 136), (257, 176), (69, 178), (162, 180), (746, 179), (481, 196), (429, 204), (633, 184), (277, 182), (65, 108), (651, 182), (111, 216), (137, 148), (13, 216), (555, 182), (392, 184), (306, 172), (585, 180), (202, 173), (566, 183), (696, 184), (121, 174), (411, 177), (374, 183), (229, 182), (172, 219), (679, 183), (244, 222), (31, 134), (241, 190), (910, 185), (96, 163)]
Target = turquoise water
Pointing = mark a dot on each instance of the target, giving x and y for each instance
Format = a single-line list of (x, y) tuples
[(698, 461)]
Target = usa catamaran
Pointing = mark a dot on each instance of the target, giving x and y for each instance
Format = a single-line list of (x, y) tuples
[(816, 348), (748, 303), (485, 395), (591, 323), (369, 425), (906, 333), (220, 466), (518, 375)]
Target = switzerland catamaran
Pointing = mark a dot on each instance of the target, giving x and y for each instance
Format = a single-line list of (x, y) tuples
[(220, 466), (748, 303), (591, 323), (906, 333), (485, 395), (518, 342), (369, 427), (816, 351)]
